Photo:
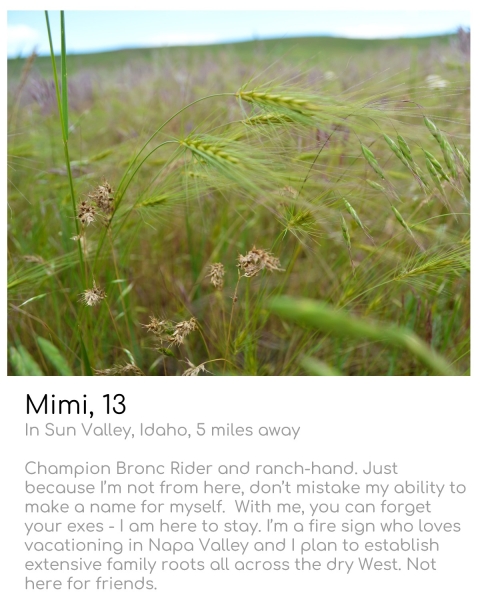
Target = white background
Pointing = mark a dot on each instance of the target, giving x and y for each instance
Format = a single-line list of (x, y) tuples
[(428, 426)]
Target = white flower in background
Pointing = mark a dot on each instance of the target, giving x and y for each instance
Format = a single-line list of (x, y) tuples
[(435, 82)]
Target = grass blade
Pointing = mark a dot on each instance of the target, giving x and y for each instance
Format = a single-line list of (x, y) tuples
[(23, 362), (64, 88), (325, 318), (317, 367), (86, 363), (62, 101), (54, 69), (54, 357)]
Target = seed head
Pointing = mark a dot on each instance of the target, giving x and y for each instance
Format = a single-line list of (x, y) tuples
[(102, 196), (257, 260), (192, 370), (157, 327), (86, 213), (372, 161), (125, 370), (204, 148), (288, 191), (346, 234), (181, 331), (404, 148), (375, 185), (93, 296), (436, 164), (268, 119), (216, 273), (464, 162), (400, 219), (295, 104), (168, 331), (396, 150), (32, 258)]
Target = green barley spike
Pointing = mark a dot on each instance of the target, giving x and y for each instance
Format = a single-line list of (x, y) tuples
[(438, 167), (404, 224), (346, 234), (396, 150), (464, 162), (452, 167), (353, 213), (400, 219), (445, 147), (449, 156), (376, 186), (356, 218), (404, 148), (401, 155), (416, 169), (372, 161), (433, 172), (432, 128), (436, 180), (346, 237)]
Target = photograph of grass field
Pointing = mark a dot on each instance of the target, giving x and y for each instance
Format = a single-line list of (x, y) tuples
[(294, 206)]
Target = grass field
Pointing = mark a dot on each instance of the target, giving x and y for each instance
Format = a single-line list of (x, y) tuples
[(281, 207)]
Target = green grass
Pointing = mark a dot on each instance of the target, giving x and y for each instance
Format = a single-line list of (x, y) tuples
[(314, 149)]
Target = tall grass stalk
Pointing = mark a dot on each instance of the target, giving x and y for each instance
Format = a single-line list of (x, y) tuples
[(62, 102)]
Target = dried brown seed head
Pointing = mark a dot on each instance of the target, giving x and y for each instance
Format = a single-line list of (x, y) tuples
[(93, 296), (156, 326), (33, 258), (192, 370), (181, 331), (103, 198), (86, 213), (216, 273), (288, 191), (125, 370), (256, 260), (168, 331)]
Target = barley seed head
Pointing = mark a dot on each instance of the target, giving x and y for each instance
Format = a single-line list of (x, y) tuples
[(208, 149), (346, 233), (404, 148), (268, 119), (375, 185), (372, 161)]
